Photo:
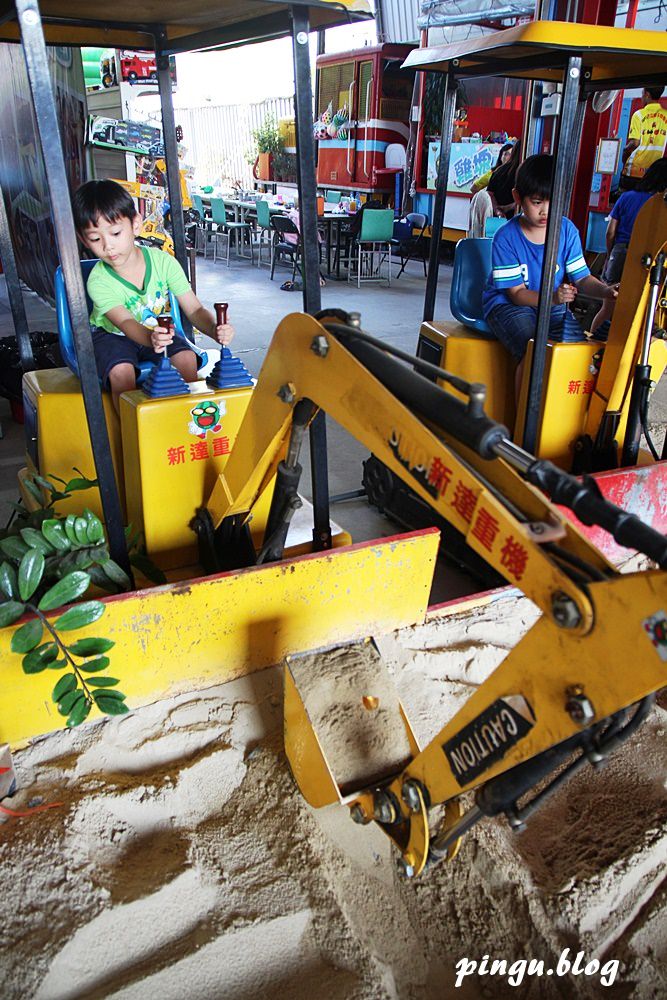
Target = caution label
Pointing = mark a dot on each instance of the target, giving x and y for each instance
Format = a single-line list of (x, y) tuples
[(487, 738)]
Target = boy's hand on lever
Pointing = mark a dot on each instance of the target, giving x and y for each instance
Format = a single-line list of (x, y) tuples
[(161, 337), (224, 331), (564, 293), (224, 334)]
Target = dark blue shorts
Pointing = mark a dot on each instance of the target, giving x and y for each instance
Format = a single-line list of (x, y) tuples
[(111, 350), (613, 269), (514, 326)]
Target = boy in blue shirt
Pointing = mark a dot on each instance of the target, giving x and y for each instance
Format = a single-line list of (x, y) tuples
[(512, 290)]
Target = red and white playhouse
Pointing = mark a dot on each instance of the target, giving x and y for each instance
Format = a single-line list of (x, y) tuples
[(363, 106)]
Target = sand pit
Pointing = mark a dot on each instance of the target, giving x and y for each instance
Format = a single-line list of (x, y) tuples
[(184, 863)]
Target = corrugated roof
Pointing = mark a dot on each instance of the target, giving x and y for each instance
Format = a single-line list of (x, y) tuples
[(188, 24), (540, 50)]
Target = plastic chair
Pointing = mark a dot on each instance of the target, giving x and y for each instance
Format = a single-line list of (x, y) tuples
[(66, 336), (374, 244), (333, 197), (349, 231), (472, 266), (226, 228), (406, 243), (203, 225), (283, 226), (395, 156), (492, 225), (264, 234), (198, 204)]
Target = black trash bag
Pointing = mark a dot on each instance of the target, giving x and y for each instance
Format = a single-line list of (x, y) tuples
[(46, 351)]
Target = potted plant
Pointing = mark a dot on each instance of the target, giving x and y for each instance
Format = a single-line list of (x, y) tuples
[(269, 143)]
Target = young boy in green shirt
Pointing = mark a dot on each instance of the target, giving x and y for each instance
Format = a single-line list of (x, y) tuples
[(130, 288)]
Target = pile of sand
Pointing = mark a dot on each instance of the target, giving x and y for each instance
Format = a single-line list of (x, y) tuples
[(184, 863)]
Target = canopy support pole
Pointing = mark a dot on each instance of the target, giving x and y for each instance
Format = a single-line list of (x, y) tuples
[(34, 49), (14, 292), (310, 258), (449, 106), (171, 158), (563, 161)]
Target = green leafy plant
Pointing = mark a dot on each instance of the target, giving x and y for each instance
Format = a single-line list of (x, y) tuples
[(284, 166), (49, 561), (267, 138)]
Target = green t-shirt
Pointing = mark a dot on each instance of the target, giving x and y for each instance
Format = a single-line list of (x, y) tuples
[(107, 290)]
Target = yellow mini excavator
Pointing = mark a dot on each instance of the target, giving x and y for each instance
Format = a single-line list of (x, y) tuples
[(563, 696)]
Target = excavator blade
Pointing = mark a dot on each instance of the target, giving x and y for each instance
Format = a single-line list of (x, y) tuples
[(345, 728)]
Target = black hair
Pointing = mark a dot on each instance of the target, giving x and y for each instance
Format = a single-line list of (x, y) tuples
[(507, 171), (655, 178), (655, 92), (533, 178), (101, 198), (503, 149)]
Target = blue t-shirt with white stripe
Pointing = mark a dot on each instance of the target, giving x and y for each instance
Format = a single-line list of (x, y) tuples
[(517, 261)]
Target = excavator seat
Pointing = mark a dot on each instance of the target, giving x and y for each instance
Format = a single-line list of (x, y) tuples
[(467, 348), (472, 266), (66, 335)]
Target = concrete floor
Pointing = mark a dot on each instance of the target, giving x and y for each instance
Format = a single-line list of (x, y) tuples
[(257, 304)]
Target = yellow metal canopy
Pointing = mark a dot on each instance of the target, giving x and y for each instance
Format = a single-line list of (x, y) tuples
[(188, 24), (540, 50)]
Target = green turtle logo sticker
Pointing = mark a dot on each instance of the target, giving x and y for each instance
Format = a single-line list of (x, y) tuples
[(206, 416)]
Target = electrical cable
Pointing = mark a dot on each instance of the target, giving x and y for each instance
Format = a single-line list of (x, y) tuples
[(643, 419), (574, 560)]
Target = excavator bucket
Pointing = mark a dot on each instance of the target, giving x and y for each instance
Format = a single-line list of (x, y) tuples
[(345, 727)]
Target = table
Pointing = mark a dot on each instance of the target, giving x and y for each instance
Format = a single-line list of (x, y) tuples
[(334, 220), (248, 209), (243, 210)]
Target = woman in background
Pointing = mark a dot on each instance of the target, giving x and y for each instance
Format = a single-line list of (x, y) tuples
[(483, 180), (481, 206), (502, 184)]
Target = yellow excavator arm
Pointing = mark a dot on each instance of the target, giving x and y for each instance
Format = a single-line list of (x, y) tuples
[(568, 686)]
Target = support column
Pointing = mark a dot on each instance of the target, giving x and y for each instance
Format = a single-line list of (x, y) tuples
[(34, 49), (563, 158), (448, 109), (14, 290), (171, 150), (594, 128), (310, 260)]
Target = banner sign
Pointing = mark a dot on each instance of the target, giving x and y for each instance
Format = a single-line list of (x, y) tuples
[(468, 161), (131, 137), (22, 176)]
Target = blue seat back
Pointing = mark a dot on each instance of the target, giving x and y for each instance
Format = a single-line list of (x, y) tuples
[(472, 266), (66, 336), (199, 206), (492, 225)]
